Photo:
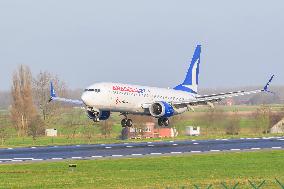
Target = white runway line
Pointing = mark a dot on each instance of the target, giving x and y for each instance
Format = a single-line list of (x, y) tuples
[(151, 145), (176, 152), (195, 151), (214, 150), (10, 148), (108, 147), (129, 146), (225, 139), (97, 156), (175, 144), (23, 158), (155, 153), (76, 157), (149, 142), (78, 145), (193, 140), (136, 154), (33, 147), (116, 155), (55, 146), (235, 149), (255, 148), (171, 141), (195, 143), (278, 147)]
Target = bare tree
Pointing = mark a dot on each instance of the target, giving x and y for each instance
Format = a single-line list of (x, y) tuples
[(232, 124), (23, 109), (262, 121), (41, 92), (36, 127)]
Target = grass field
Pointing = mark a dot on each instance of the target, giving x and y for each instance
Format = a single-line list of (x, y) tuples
[(152, 173), (75, 128)]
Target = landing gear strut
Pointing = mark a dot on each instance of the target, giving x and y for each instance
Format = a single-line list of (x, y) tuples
[(126, 122), (163, 122)]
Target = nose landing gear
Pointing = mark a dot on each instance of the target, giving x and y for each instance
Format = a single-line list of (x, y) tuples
[(164, 121)]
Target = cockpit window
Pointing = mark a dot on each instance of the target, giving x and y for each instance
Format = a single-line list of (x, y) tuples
[(95, 90)]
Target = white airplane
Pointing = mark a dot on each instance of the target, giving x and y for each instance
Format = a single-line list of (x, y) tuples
[(100, 99)]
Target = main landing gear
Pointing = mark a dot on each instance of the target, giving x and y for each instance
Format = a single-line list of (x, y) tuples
[(126, 122), (163, 121)]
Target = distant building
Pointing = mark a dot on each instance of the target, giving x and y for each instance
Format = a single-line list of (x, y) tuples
[(278, 128), (230, 102), (51, 132), (192, 131), (149, 131)]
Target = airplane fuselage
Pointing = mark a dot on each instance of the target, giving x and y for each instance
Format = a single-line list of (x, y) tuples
[(118, 97)]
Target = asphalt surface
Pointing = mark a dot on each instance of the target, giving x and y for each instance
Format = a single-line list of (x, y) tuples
[(56, 153)]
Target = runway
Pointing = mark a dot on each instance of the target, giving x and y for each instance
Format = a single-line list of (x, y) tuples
[(77, 152)]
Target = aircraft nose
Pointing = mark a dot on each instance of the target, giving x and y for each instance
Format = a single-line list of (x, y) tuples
[(86, 98)]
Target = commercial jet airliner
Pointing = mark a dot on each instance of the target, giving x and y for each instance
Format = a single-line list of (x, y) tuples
[(100, 99)]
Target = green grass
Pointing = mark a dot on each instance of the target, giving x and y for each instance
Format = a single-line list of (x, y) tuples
[(154, 172)]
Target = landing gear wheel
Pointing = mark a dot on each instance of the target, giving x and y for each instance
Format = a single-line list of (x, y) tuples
[(96, 120), (129, 123), (123, 122), (166, 122), (160, 122), (163, 122)]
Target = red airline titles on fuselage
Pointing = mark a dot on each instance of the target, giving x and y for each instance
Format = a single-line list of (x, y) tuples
[(128, 89)]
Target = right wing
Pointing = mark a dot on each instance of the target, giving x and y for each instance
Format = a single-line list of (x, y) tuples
[(206, 99), (53, 97)]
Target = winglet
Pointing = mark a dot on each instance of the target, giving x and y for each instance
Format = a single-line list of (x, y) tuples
[(266, 87), (52, 91)]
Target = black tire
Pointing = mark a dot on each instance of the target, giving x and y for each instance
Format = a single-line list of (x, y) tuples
[(129, 123), (160, 122), (166, 122), (123, 122)]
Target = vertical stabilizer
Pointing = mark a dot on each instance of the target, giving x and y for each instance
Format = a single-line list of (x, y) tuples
[(190, 83)]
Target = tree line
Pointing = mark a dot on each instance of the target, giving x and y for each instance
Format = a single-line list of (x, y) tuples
[(30, 109)]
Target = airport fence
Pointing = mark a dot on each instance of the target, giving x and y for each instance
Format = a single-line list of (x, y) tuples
[(223, 185)]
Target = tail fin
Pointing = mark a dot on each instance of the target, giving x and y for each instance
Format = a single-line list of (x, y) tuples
[(190, 84)]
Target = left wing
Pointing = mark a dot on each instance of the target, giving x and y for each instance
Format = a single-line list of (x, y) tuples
[(207, 99), (53, 97)]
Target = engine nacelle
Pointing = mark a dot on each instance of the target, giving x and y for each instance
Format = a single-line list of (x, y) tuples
[(161, 109), (101, 115)]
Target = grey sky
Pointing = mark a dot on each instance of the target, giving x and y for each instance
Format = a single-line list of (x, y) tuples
[(143, 42)]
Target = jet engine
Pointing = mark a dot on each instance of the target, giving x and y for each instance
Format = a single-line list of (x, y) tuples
[(161, 109), (100, 115)]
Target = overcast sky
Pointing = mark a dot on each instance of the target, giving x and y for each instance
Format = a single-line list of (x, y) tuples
[(147, 42)]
